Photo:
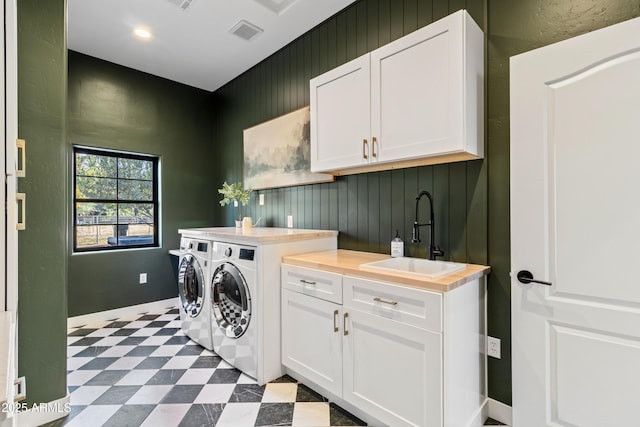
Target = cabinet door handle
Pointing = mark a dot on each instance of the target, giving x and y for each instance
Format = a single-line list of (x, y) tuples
[(364, 149), (335, 321), (22, 222), (344, 325), (374, 141), (307, 282), (22, 166), (378, 299)]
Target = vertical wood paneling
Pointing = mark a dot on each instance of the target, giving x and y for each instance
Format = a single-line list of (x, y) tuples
[(458, 211), (410, 16), (368, 208)]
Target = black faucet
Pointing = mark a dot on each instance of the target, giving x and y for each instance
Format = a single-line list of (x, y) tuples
[(433, 250)]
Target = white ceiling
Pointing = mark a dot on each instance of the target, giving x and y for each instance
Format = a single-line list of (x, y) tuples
[(193, 47)]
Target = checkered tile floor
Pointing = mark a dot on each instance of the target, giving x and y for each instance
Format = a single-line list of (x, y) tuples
[(142, 371)]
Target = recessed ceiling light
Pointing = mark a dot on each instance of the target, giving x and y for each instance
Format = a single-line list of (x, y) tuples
[(142, 33)]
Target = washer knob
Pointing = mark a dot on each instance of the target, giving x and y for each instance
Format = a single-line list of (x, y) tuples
[(227, 252)]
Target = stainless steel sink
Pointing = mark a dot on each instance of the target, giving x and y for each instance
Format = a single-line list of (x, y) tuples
[(422, 268)]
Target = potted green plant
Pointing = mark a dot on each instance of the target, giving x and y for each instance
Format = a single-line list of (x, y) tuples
[(238, 195)]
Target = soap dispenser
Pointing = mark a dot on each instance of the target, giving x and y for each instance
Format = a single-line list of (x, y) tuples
[(397, 246)]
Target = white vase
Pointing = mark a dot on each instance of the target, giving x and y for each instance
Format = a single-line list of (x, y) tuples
[(238, 224)]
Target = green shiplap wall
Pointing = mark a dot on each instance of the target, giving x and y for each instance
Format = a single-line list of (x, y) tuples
[(42, 263), (365, 208), (114, 107)]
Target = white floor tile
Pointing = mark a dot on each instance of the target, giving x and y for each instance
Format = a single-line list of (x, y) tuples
[(174, 324), (97, 325), (206, 352), (103, 332), (77, 378), (73, 350), (179, 362), (156, 340), (280, 392), (224, 365), (166, 415), (117, 351), (137, 377), (74, 363), (138, 324), (167, 350), (196, 376), (93, 416), (149, 394), (145, 332), (125, 363), (246, 379), (85, 395), (71, 340), (110, 341), (215, 393), (311, 414), (166, 317), (239, 414)]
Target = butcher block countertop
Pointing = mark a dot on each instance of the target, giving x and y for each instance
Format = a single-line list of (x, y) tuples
[(256, 234), (348, 262)]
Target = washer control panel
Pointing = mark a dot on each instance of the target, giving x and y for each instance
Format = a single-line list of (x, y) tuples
[(247, 254)]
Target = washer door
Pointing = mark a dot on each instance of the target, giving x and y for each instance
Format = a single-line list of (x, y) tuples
[(191, 285), (231, 300)]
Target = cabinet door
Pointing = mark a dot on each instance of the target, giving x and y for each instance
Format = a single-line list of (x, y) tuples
[(392, 370), (417, 93), (340, 117), (312, 339)]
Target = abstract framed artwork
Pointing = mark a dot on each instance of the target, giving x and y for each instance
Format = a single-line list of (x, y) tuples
[(277, 153)]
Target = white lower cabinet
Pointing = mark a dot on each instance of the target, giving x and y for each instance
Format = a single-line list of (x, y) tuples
[(386, 350)]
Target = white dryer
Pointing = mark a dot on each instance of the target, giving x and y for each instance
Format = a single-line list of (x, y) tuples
[(235, 306), (193, 290)]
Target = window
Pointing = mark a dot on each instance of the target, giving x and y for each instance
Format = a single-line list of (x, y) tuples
[(115, 200)]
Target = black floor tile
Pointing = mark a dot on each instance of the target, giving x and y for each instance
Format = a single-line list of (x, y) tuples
[(224, 376), (173, 311), (117, 395), (117, 324), (177, 340), (182, 394), (81, 332), (247, 393), (204, 415), (275, 414), (107, 377), (149, 317), (167, 331), (305, 394), (285, 379), (87, 341), (492, 422), (124, 332), (188, 350), (98, 363), (92, 351), (142, 350), (129, 415), (341, 417), (166, 377), (207, 362), (157, 324), (153, 363), (132, 341)]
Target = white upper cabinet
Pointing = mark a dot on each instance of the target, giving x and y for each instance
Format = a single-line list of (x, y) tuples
[(340, 116), (424, 102)]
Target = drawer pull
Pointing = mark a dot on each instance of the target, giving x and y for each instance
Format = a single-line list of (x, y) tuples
[(344, 325), (374, 141), (364, 149), (378, 299), (307, 282), (335, 321)]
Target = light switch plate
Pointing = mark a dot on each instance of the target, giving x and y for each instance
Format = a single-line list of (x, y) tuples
[(143, 278)]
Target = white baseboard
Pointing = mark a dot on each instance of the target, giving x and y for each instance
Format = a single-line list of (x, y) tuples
[(500, 412), (102, 316), (43, 413)]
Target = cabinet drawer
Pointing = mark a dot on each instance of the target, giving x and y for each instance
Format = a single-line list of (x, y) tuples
[(416, 307), (317, 283)]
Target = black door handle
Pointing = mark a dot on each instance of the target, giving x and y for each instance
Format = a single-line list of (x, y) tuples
[(525, 276)]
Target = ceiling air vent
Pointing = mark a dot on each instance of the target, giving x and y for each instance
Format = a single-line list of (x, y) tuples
[(277, 6), (246, 30), (182, 4)]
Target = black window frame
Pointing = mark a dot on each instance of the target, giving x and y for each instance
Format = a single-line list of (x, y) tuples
[(155, 199)]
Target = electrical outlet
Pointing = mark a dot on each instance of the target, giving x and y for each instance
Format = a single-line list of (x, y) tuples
[(143, 278), (493, 347)]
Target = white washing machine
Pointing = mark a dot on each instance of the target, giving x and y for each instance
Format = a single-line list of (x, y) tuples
[(235, 306), (193, 290)]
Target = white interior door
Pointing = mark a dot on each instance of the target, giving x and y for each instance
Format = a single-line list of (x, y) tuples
[(575, 197)]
